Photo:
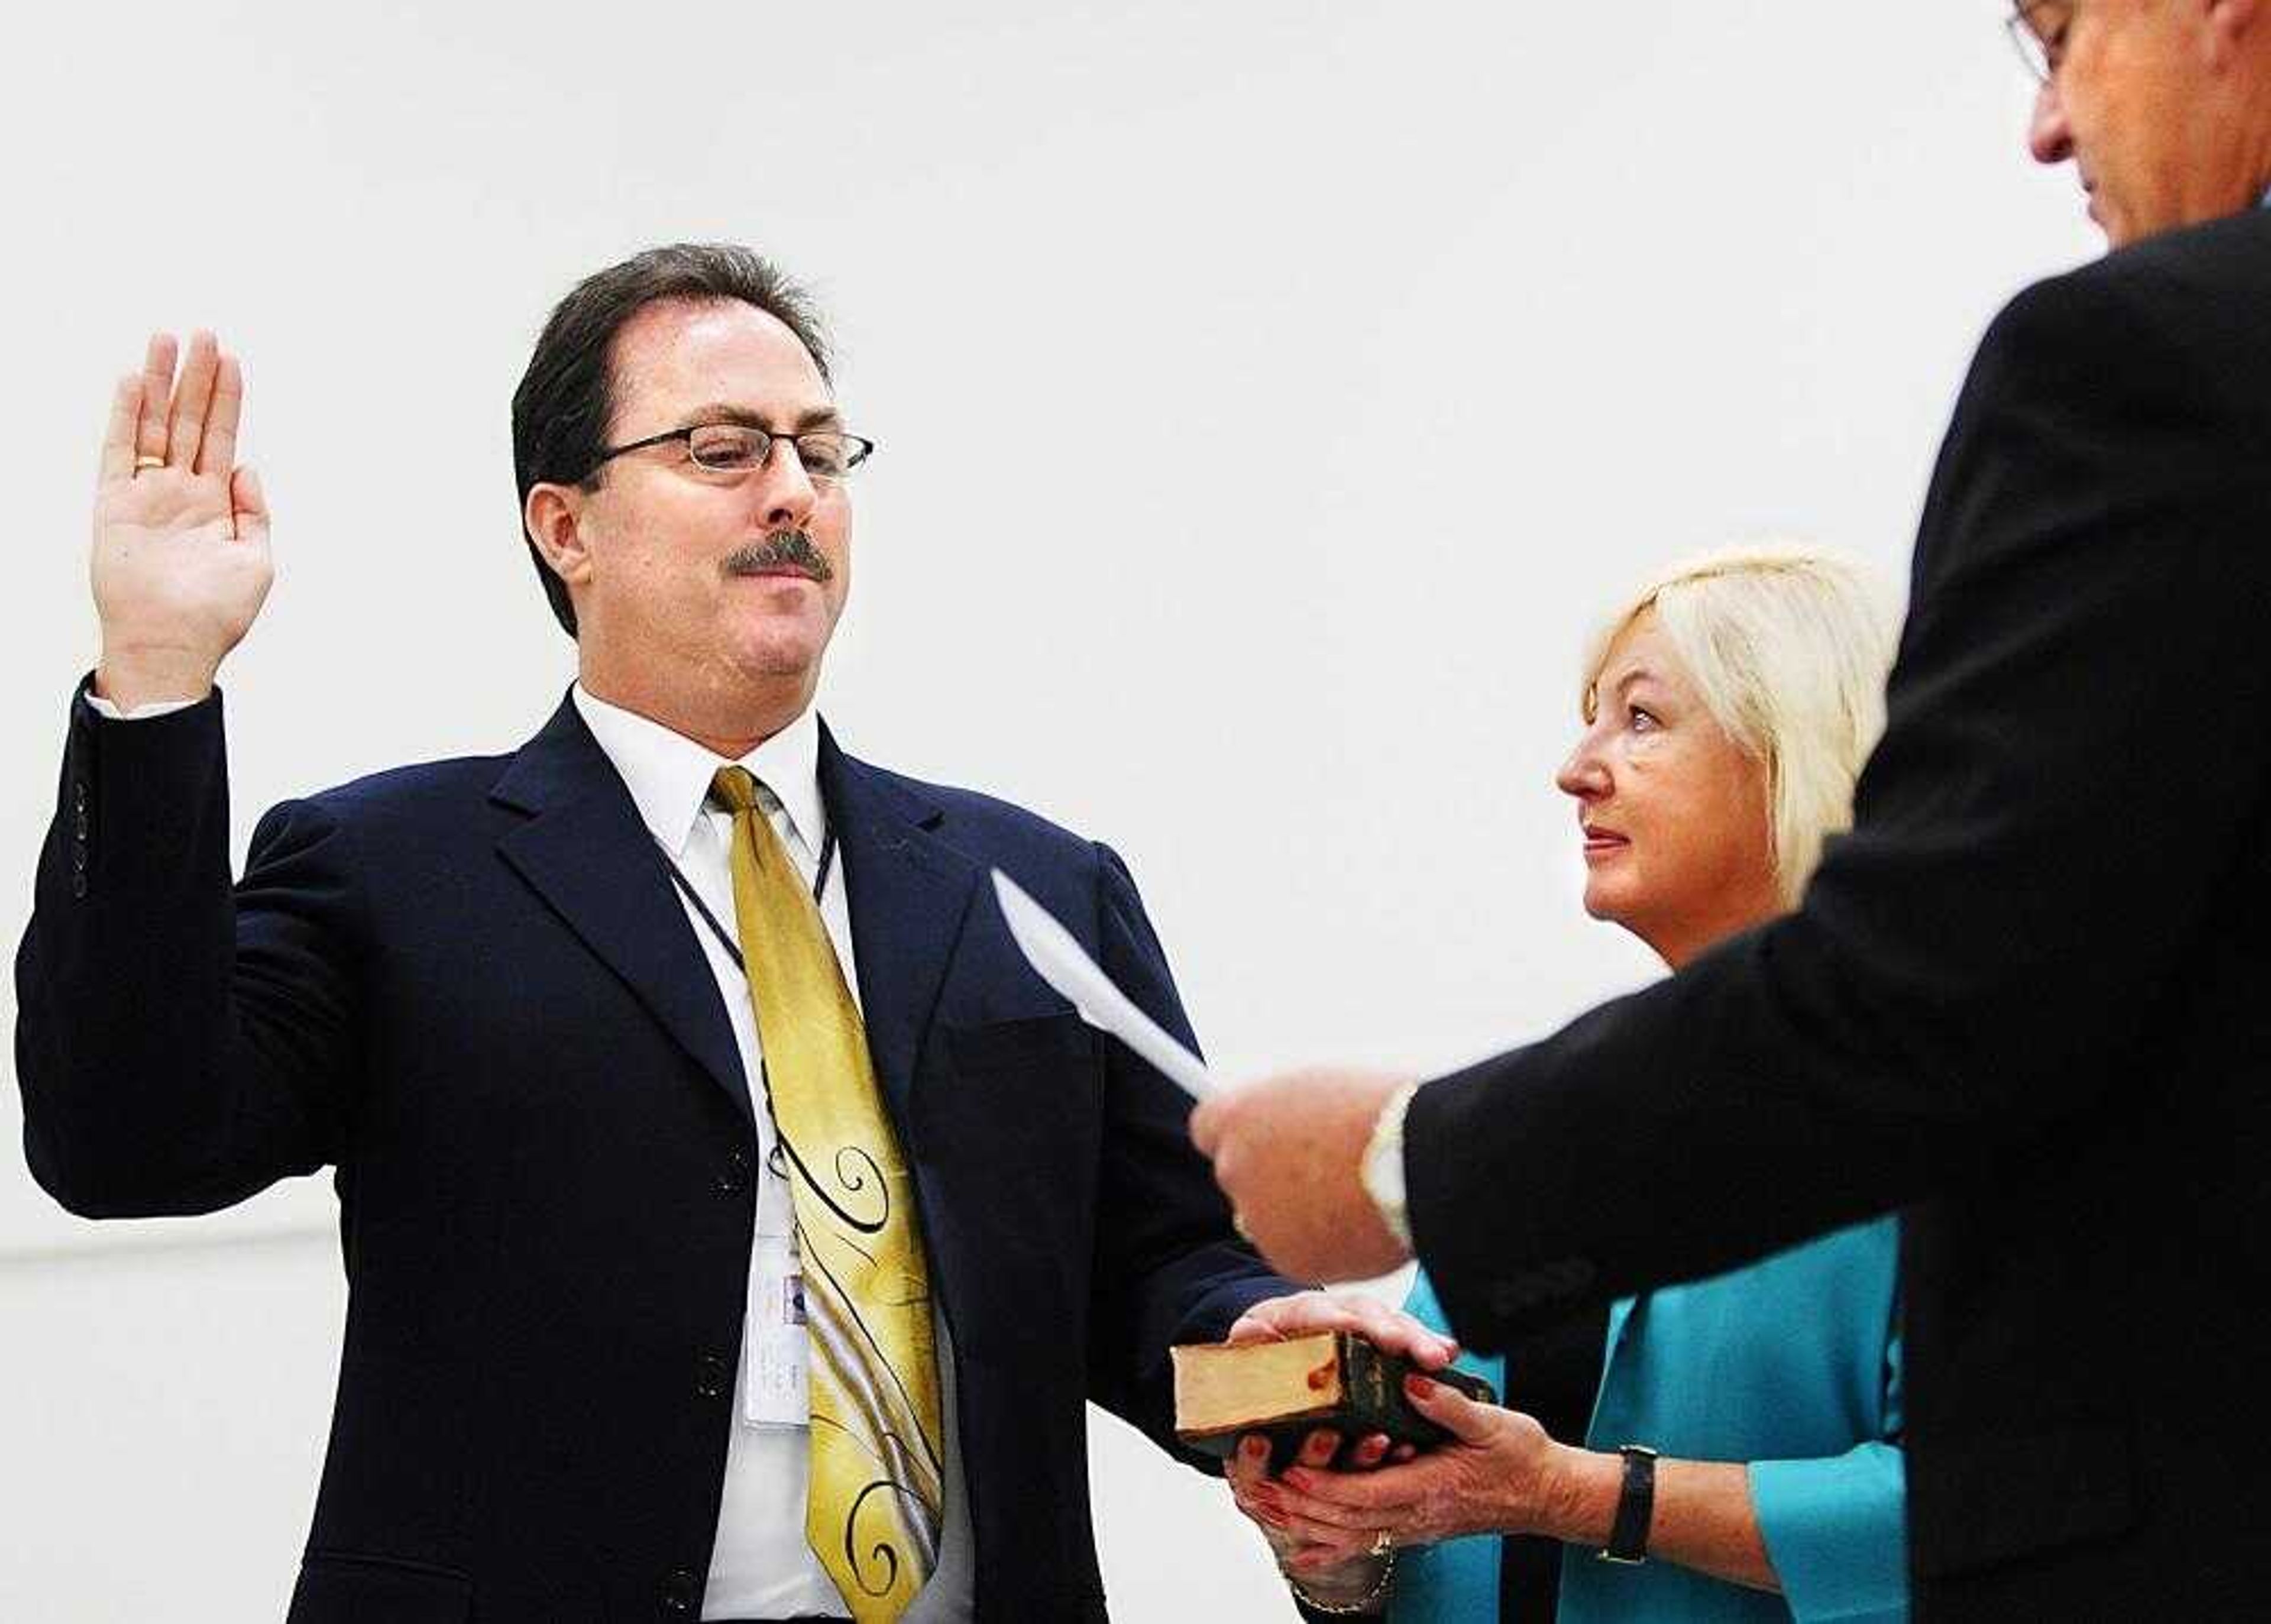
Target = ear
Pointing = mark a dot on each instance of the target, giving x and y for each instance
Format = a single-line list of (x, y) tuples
[(2234, 27), (554, 515)]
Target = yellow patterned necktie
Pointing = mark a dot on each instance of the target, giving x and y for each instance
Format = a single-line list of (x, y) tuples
[(873, 1509)]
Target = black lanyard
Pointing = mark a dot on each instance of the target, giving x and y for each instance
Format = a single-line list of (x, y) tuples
[(774, 1163), (726, 937)]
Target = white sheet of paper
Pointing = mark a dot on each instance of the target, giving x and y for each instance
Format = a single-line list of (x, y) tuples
[(1058, 959)]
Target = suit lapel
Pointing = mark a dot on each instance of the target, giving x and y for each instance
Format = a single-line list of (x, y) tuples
[(910, 894), (587, 855)]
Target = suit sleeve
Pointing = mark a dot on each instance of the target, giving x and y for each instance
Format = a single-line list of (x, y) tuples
[(2075, 760), (181, 1044), (1169, 1268)]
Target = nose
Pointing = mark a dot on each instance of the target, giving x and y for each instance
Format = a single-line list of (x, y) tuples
[(2049, 136), (783, 488), (1585, 777)]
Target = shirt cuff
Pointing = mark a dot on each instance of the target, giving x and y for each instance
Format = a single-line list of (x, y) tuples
[(141, 713), (1382, 1169)]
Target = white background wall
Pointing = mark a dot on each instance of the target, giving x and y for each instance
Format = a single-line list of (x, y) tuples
[(1270, 394)]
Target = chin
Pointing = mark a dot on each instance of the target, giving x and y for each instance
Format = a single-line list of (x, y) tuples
[(1633, 914), (781, 647), (775, 664)]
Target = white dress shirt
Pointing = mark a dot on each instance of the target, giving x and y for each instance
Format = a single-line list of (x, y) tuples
[(762, 1566)]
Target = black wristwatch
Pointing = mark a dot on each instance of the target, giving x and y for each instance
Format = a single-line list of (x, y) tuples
[(1635, 1507)]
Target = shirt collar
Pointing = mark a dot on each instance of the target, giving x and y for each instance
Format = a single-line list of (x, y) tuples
[(668, 774)]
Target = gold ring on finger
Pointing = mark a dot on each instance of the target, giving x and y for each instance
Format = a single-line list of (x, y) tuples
[(140, 463)]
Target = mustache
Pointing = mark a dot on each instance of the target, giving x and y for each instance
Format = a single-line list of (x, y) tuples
[(782, 549)]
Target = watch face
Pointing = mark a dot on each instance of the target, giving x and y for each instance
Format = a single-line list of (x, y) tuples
[(1382, 1170)]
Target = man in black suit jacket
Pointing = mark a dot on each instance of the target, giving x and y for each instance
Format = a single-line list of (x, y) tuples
[(2025, 1001), (473, 986)]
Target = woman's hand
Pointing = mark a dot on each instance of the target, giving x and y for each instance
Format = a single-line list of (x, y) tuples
[(1496, 1475), (1301, 1315), (1251, 1487)]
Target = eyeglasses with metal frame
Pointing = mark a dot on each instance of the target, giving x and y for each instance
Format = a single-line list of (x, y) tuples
[(828, 454), (2038, 29)]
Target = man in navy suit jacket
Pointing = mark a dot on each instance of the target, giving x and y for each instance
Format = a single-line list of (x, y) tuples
[(476, 988)]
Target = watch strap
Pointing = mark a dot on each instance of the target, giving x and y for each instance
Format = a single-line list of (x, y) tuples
[(1635, 1507)]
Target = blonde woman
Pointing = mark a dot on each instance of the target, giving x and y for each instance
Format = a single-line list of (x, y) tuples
[(1727, 709)]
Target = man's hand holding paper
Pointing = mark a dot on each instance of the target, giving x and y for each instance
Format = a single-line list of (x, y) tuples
[(1289, 1152)]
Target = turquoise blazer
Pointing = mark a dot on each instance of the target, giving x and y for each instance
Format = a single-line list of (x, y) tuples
[(1792, 1365)]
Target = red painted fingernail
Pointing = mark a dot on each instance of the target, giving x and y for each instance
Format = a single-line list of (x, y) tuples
[(1418, 1387)]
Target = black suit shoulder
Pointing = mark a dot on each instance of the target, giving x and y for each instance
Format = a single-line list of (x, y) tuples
[(400, 835), (2181, 274), (413, 791), (985, 826), (2230, 256), (2117, 406), (2185, 309)]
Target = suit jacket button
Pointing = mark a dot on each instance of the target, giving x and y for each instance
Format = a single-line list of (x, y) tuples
[(78, 885), (681, 1592), (709, 1376), (78, 795)]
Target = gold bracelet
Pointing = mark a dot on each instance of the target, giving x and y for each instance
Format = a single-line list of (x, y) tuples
[(1362, 1604)]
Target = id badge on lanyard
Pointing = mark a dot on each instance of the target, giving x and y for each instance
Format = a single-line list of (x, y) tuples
[(776, 1387)]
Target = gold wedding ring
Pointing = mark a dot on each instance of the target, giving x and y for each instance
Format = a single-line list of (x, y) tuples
[(141, 463)]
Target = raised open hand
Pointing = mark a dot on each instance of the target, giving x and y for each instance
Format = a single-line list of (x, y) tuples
[(181, 562)]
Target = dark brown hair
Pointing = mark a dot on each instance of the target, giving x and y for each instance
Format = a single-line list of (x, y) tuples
[(566, 399)]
